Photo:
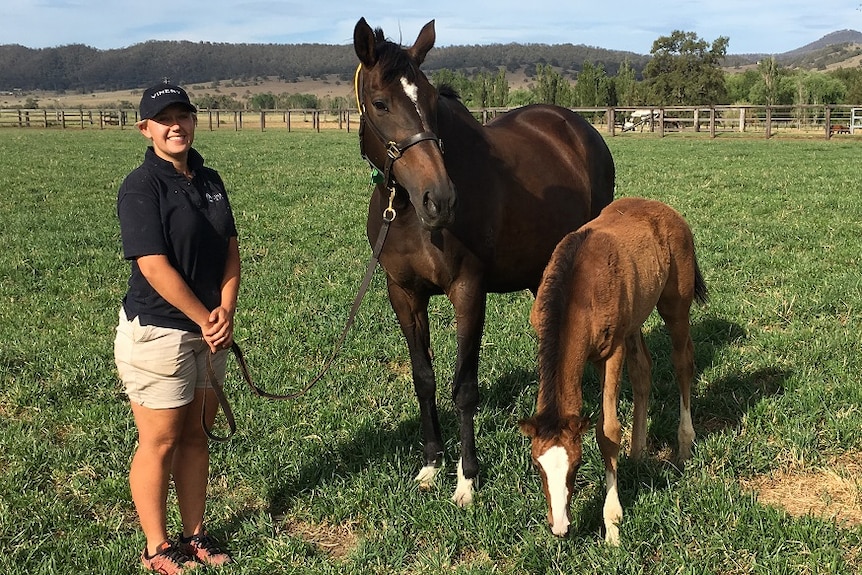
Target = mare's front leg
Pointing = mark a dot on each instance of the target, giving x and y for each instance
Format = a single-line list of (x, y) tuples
[(469, 303), (608, 436), (411, 309)]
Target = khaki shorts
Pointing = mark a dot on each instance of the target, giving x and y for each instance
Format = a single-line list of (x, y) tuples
[(161, 367)]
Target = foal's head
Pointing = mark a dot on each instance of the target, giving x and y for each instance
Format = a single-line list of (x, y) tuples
[(399, 107), (556, 453)]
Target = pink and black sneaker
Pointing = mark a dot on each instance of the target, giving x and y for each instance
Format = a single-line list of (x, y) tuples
[(205, 549)]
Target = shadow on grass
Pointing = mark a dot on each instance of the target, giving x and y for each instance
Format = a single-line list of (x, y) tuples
[(720, 407)]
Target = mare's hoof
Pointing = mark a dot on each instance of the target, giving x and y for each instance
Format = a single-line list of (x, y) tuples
[(426, 477)]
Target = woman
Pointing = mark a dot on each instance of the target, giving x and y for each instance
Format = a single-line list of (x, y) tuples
[(179, 234)]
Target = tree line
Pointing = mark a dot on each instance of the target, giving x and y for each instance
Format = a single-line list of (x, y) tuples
[(684, 70), (681, 70)]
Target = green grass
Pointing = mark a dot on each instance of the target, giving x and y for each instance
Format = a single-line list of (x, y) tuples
[(324, 484)]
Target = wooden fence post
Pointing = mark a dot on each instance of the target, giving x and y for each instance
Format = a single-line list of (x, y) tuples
[(712, 121), (768, 122)]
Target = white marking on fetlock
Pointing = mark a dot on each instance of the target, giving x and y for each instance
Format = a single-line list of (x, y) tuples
[(613, 510), (685, 433), (555, 464), (464, 491), (426, 476)]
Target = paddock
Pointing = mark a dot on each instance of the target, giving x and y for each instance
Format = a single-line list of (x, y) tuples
[(322, 485)]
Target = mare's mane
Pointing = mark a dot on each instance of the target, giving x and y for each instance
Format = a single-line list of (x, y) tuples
[(556, 295), (393, 59)]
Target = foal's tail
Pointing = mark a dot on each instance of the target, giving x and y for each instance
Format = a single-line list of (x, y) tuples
[(701, 293)]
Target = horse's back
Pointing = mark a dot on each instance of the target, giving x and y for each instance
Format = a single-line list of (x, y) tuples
[(557, 137), (652, 247), (549, 173)]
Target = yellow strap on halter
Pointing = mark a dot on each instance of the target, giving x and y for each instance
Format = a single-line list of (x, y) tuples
[(356, 88)]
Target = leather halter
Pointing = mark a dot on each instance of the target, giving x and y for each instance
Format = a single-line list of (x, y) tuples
[(394, 150)]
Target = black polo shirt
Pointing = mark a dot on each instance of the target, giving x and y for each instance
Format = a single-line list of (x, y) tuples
[(190, 221)]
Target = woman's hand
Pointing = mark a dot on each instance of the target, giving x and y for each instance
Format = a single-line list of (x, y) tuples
[(218, 332)]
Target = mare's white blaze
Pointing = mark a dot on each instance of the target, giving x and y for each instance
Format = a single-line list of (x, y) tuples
[(685, 433), (613, 511), (555, 464), (412, 91), (464, 491)]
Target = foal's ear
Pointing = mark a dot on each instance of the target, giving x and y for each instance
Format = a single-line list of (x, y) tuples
[(578, 425), (364, 43), (424, 42), (527, 427)]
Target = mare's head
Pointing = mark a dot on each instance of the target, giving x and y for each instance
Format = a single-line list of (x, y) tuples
[(556, 453), (399, 111)]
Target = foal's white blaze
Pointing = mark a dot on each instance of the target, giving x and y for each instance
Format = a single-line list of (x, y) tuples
[(613, 510), (555, 464), (412, 91)]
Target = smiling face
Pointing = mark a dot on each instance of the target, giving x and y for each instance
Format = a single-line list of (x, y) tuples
[(172, 132)]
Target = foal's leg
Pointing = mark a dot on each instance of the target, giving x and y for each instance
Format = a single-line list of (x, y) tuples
[(608, 436), (676, 318), (639, 366), (411, 309), (469, 303)]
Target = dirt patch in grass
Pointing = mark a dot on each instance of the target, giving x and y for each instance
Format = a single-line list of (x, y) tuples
[(831, 492), (337, 541)]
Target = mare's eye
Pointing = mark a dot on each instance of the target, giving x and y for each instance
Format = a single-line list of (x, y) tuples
[(380, 105)]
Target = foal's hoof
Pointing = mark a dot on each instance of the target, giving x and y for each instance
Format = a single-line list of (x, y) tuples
[(612, 536)]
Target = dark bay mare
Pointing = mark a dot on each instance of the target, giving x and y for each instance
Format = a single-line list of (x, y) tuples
[(479, 209), (601, 284)]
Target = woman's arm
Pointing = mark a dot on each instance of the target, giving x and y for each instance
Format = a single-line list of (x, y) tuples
[(220, 333)]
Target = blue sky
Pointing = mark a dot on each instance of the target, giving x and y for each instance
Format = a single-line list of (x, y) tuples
[(753, 26)]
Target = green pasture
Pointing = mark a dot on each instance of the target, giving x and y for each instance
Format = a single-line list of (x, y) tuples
[(324, 484)]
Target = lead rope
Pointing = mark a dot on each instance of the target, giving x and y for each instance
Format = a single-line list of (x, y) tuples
[(212, 381)]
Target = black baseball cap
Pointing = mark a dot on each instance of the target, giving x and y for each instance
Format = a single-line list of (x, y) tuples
[(159, 97)]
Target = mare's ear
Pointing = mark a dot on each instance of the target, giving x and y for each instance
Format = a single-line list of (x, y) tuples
[(424, 42), (527, 427), (364, 43)]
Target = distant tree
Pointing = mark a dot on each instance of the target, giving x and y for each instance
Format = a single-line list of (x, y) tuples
[(262, 102), (686, 71), (592, 88), (771, 73), (551, 87), (220, 102), (775, 85), (852, 79), (626, 86), (739, 85), (293, 101), (816, 88), (521, 98)]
